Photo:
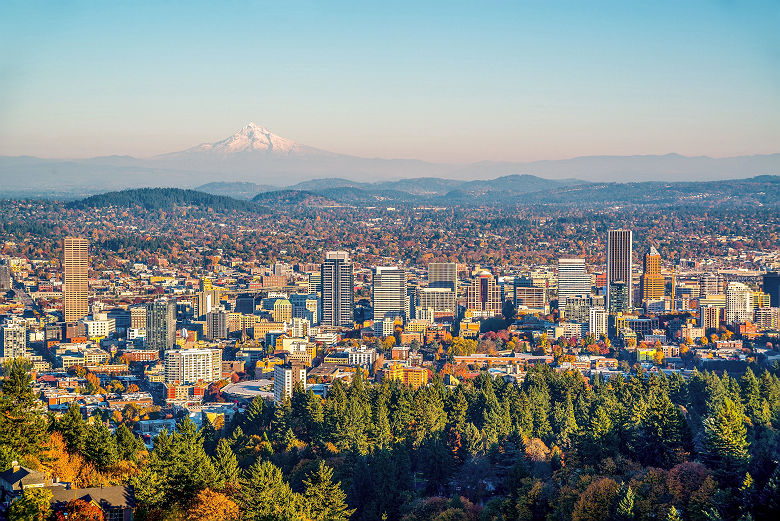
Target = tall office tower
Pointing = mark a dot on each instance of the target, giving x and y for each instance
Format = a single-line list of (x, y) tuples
[(337, 286), (443, 275), (572, 279), (285, 378), (710, 284), (709, 317), (483, 296), (652, 282), (13, 339), (189, 366), (75, 285), (760, 299), (217, 324), (5, 277), (597, 323), (619, 267), (160, 324), (389, 295), (771, 285), (283, 310), (739, 304)]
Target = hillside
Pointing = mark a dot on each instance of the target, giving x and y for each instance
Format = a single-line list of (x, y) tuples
[(161, 198)]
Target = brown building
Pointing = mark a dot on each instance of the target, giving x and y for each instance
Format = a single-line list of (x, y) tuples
[(483, 296), (652, 281), (75, 286)]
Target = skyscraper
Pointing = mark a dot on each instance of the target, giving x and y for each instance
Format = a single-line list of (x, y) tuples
[(739, 304), (572, 279), (337, 287), (443, 275), (160, 324), (389, 295), (652, 282), (286, 376), (619, 249), (771, 285), (483, 296), (75, 284), (5, 277), (709, 317)]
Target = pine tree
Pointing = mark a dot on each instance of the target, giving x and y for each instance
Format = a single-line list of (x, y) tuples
[(725, 440), (100, 446), (21, 422), (226, 465), (127, 443), (324, 498), (73, 428), (265, 496)]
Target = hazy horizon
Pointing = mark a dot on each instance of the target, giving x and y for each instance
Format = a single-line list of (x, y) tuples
[(442, 82)]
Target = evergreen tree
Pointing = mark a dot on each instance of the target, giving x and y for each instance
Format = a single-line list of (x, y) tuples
[(324, 499), (265, 496), (127, 443), (100, 446), (21, 422), (225, 465), (725, 440), (73, 428), (33, 505)]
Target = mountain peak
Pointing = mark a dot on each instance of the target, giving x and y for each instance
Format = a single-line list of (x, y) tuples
[(251, 138)]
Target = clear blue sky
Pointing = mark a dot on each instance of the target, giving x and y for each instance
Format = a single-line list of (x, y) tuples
[(446, 81)]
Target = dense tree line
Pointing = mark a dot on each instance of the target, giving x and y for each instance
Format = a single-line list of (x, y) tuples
[(557, 446)]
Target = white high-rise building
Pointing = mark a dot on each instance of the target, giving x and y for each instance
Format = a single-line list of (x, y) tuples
[(285, 378), (390, 297), (597, 325), (739, 303), (13, 339), (189, 366), (573, 280)]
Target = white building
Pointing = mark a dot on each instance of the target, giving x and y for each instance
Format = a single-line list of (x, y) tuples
[(390, 298), (189, 366), (285, 378), (13, 339), (739, 303), (100, 326), (597, 325), (573, 280), (361, 356)]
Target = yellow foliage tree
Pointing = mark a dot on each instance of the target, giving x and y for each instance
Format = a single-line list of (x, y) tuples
[(212, 506)]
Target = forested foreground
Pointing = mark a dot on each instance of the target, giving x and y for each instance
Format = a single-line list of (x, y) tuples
[(556, 447)]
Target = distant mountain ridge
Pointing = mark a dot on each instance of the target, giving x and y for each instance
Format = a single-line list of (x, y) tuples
[(255, 155), (757, 191)]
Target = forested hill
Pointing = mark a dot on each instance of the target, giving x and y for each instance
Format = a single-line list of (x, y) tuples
[(161, 198)]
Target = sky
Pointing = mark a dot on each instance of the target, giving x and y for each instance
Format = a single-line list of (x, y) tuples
[(439, 81)]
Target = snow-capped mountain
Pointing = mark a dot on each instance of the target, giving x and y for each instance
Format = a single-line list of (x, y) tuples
[(254, 138)]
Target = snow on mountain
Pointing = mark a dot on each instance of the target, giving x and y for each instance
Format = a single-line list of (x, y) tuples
[(253, 138)]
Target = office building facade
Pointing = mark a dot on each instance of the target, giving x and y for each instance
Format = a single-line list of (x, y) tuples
[(389, 295), (75, 283), (337, 290), (573, 280), (652, 282), (160, 324), (619, 254)]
